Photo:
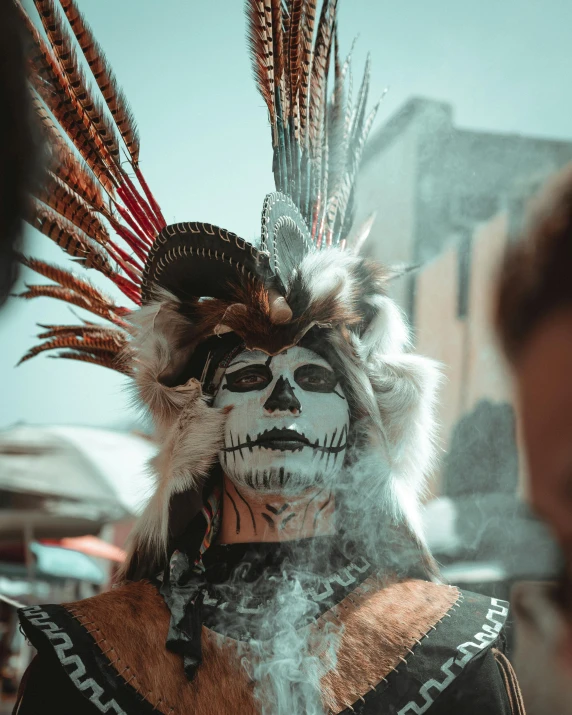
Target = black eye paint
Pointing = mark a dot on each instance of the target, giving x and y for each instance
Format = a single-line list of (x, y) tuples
[(316, 378), (248, 379)]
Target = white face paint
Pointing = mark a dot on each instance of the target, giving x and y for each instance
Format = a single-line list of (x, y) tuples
[(288, 428)]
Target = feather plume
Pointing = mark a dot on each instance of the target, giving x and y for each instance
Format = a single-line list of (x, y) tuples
[(82, 287), (56, 194), (65, 235), (295, 49), (110, 361), (62, 44), (51, 84), (66, 165), (79, 246), (308, 22), (261, 54), (105, 78)]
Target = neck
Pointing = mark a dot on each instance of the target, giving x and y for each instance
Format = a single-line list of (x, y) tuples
[(250, 515)]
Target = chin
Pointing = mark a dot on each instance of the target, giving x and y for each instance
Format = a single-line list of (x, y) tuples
[(278, 479), (285, 472)]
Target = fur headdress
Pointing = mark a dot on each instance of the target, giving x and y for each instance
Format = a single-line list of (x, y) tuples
[(196, 283)]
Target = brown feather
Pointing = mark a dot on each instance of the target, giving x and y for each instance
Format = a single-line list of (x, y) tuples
[(84, 288), (277, 38), (64, 163), (61, 42), (89, 343), (112, 362), (261, 53), (65, 294), (77, 175), (105, 78), (56, 194), (308, 23), (92, 329), (52, 85), (68, 238), (320, 72), (294, 48)]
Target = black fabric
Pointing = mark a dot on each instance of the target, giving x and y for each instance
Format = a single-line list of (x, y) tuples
[(235, 584), (448, 665), (67, 648), (479, 690), (49, 690)]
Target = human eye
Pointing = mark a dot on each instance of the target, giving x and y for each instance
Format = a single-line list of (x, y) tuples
[(252, 377), (315, 378)]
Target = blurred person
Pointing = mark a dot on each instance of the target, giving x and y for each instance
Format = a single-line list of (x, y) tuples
[(17, 143), (534, 322), (279, 566)]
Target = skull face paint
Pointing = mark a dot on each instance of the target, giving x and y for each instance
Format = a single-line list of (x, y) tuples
[(288, 428)]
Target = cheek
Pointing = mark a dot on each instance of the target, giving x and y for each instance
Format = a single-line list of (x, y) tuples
[(246, 405), (325, 409)]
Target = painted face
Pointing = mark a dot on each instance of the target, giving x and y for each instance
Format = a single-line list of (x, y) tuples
[(288, 429)]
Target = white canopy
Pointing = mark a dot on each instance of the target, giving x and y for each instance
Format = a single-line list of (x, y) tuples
[(76, 473)]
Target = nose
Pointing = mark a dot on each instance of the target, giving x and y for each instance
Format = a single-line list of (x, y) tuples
[(283, 399)]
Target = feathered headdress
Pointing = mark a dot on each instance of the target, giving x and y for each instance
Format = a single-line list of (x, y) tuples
[(197, 281)]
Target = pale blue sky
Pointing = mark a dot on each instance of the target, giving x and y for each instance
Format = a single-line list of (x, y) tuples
[(504, 65)]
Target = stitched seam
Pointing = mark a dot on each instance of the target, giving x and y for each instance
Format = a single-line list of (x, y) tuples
[(133, 680)]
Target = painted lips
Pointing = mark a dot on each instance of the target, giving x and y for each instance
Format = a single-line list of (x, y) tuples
[(288, 440), (284, 439)]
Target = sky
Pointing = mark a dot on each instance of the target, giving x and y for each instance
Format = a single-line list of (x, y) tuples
[(504, 66)]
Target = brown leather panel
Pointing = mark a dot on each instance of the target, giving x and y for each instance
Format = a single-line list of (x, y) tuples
[(130, 624), (381, 626)]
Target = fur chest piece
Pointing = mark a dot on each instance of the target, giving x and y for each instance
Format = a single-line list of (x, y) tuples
[(379, 645)]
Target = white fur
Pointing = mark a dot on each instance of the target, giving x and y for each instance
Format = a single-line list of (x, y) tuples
[(387, 333), (405, 386), (156, 328), (187, 451), (326, 273)]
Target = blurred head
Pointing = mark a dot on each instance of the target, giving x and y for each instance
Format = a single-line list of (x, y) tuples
[(534, 321)]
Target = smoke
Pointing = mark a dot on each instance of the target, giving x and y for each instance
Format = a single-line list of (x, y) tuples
[(288, 668), (288, 644)]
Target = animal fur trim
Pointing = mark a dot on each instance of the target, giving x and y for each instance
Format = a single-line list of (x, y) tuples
[(188, 450)]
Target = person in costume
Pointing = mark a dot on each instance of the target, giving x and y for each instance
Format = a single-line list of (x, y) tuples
[(279, 566)]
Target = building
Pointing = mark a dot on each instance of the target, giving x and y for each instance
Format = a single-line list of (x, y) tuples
[(447, 201), (432, 183)]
